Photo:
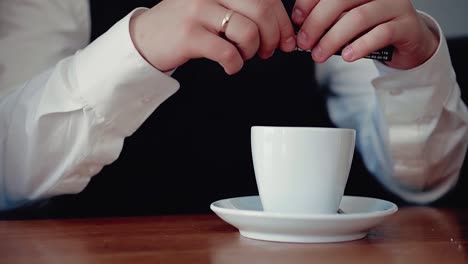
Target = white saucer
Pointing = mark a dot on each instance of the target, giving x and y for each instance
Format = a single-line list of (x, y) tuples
[(361, 215)]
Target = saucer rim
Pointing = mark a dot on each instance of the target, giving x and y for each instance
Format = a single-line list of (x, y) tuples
[(347, 216)]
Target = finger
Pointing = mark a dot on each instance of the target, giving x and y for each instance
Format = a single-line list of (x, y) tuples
[(379, 37), (351, 25), (244, 33), (240, 30), (287, 39), (321, 18), (211, 46), (302, 9), (263, 14)]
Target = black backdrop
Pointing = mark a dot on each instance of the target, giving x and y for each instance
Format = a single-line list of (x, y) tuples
[(273, 92)]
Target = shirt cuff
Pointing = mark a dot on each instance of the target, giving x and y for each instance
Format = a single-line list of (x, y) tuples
[(411, 101), (420, 93), (115, 81)]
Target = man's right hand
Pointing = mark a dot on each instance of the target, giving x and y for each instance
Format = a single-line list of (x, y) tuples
[(175, 31)]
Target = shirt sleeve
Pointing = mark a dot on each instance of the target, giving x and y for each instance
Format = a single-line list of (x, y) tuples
[(412, 124), (60, 128)]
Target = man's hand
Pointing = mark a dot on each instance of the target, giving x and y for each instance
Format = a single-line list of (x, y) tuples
[(328, 25), (175, 31)]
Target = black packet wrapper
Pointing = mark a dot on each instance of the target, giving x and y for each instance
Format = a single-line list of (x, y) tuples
[(384, 54)]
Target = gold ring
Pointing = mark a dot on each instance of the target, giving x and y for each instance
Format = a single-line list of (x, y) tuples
[(225, 22)]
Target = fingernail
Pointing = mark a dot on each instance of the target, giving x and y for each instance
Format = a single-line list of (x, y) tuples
[(265, 55), (271, 54), (302, 39), (347, 53), (298, 16), (317, 53), (289, 43), (289, 40)]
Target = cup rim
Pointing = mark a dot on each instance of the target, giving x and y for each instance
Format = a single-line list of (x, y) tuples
[(330, 129)]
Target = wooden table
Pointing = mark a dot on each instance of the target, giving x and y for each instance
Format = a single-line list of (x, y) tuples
[(413, 235)]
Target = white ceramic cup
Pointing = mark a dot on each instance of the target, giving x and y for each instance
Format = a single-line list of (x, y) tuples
[(302, 170)]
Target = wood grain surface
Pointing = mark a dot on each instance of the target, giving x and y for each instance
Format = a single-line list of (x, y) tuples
[(412, 235)]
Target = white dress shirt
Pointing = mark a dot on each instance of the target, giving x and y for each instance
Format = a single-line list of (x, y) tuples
[(66, 106)]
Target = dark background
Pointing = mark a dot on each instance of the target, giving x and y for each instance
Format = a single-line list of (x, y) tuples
[(114, 193), (360, 182)]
